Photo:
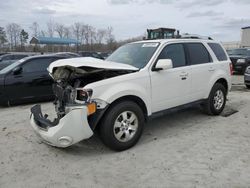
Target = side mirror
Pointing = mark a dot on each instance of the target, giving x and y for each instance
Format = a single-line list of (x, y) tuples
[(17, 70), (163, 64)]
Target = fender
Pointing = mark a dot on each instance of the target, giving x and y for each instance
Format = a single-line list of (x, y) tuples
[(216, 76), (112, 89)]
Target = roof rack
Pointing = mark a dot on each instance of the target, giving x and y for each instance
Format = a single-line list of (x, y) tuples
[(194, 36)]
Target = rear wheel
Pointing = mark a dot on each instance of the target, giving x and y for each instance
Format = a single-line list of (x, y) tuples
[(122, 126), (216, 101)]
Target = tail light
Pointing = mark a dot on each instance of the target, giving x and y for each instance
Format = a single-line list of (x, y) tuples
[(231, 68)]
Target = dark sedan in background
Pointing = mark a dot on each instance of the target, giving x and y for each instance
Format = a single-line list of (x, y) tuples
[(240, 59), (28, 80)]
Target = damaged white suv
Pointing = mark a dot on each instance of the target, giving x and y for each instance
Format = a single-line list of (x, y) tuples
[(140, 79)]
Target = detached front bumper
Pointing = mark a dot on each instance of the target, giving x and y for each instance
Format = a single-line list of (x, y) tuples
[(64, 132)]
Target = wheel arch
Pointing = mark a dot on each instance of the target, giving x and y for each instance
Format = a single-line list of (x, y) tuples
[(132, 98), (224, 82)]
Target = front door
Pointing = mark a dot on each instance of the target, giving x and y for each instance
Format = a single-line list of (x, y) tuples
[(171, 87)]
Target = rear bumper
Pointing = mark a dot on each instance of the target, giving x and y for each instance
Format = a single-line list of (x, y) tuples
[(64, 132)]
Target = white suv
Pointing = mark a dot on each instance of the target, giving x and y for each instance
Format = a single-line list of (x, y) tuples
[(118, 95)]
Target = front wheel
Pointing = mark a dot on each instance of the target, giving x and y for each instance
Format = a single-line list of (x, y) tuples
[(122, 125), (216, 101)]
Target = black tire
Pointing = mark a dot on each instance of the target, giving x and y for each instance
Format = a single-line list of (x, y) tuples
[(209, 105), (107, 130), (248, 86)]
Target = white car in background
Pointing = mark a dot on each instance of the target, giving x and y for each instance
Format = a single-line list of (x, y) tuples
[(139, 80)]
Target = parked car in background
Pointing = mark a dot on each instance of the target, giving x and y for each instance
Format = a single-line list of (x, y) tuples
[(90, 54), (104, 55), (240, 58), (68, 54), (139, 80), (8, 59), (229, 52), (247, 77), (3, 53), (27, 80)]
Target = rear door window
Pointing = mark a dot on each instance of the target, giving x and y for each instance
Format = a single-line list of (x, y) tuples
[(198, 53), (37, 65), (176, 53), (218, 51)]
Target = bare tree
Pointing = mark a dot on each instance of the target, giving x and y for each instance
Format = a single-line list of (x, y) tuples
[(87, 33), (92, 35), (35, 29), (51, 28), (76, 30), (84, 34), (59, 28), (67, 32), (101, 33), (110, 38), (3, 37), (43, 33), (13, 31)]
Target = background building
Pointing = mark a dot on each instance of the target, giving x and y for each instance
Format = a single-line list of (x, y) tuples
[(245, 37)]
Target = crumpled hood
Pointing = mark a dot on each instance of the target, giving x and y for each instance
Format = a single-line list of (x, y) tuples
[(90, 62)]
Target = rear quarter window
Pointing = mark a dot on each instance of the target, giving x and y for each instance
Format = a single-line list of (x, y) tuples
[(218, 51)]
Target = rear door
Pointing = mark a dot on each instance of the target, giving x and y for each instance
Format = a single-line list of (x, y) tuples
[(202, 68), (171, 88)]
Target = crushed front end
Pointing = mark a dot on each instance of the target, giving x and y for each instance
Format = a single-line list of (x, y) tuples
[(73, 106), (77, 113)]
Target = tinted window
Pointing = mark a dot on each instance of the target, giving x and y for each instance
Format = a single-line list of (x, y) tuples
[(198, 54), (218, 51), (176, 53), (37, 65)]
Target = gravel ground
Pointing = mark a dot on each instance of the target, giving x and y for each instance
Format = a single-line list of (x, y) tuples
[(185, 149)]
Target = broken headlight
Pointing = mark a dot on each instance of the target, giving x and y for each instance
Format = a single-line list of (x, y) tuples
[(83, 95)]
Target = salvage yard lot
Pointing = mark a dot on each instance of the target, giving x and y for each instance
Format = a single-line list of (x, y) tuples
[(185, 149)]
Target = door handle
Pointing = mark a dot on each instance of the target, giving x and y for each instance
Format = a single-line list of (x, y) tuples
[(211, 69), (183, 74)]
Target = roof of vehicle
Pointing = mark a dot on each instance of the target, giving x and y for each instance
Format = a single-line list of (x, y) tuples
[(44, 56), (179, 40)]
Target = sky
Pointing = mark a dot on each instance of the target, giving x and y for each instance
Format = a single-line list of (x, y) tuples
[(220, 19)]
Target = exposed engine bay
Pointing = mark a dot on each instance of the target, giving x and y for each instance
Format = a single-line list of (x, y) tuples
[(69, 83)]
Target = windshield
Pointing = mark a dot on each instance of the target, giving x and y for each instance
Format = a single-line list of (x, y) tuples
[(135, 54), (245, 52)]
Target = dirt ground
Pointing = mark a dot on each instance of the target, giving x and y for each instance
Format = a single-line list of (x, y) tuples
[(185, 149)]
